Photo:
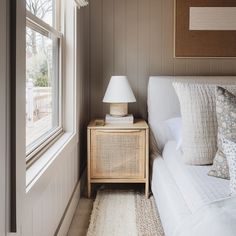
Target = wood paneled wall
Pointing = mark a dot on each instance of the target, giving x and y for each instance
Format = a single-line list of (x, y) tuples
[(136, 38), (4, 77), (83, 81)]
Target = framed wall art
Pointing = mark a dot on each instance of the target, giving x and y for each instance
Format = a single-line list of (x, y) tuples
[(205, 28)]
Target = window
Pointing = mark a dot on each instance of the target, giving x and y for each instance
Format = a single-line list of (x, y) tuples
[(42, 9), (43, 77)]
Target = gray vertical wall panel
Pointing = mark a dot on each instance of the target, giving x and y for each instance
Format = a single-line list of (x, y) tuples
[(83, 84), (143, 54), (96, 55), (108, 50), (167, 37), (155, 37), (3, 122), (132, 49), (141, 44), (119, 37)]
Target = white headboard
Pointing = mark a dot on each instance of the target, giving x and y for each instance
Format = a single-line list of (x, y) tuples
[(163, 102)]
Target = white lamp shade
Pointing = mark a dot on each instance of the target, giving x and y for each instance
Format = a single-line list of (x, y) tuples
[(119, 91)]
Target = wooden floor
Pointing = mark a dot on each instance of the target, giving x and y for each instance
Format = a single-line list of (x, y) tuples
[(80, 222)]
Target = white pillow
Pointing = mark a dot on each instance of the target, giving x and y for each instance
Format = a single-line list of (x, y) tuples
[(175, 126), (197, 103), (161, 133), (229, 148)]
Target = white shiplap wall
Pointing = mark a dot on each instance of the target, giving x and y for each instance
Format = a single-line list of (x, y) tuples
[(48, 198)]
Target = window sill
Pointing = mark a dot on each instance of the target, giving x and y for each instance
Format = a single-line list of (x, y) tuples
[(37, 169)]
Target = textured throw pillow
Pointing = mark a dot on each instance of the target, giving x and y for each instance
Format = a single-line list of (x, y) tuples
[(226, 117), (197, 103), (229, 148)]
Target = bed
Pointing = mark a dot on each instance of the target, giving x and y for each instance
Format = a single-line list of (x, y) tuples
[(180, 190)]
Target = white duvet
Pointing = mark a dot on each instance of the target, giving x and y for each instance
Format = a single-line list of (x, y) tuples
[(190, 202), (214, 219), (195, 186)]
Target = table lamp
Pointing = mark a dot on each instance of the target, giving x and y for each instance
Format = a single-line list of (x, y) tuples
[(119, 94)]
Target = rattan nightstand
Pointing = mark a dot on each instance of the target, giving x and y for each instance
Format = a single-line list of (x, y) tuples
[(118, 153)]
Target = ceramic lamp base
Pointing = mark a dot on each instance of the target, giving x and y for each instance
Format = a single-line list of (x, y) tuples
[(119, 109)]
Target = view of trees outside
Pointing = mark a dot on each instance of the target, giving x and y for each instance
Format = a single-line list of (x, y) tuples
[(39, 82), (43, 9), (38, 58)]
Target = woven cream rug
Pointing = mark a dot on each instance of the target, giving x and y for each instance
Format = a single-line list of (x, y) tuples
[(124, 213)]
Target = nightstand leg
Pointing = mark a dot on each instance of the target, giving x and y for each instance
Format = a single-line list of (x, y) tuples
[(147, 190)]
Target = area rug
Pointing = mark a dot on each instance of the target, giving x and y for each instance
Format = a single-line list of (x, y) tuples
[(124, 213)]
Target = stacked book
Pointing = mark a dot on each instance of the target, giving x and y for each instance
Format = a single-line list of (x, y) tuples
[(129, 119)]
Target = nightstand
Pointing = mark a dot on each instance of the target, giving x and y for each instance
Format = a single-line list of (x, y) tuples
[(118, 153)]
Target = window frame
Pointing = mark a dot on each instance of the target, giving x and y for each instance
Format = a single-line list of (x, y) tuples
[(50, 137)]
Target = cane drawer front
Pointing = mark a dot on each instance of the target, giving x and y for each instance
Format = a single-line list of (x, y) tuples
[(117, 154)]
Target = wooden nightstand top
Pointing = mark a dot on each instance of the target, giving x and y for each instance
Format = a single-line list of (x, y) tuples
[(138, 124)]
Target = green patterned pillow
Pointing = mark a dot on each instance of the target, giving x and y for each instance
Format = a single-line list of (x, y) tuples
[(226, 118)]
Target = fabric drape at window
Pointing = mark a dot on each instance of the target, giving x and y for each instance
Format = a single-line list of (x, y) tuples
[(81, 3)]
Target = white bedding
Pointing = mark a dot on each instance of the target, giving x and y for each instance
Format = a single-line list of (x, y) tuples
[(180, 189), (196, 187), (214, 219), (171, 205), (177, 191)]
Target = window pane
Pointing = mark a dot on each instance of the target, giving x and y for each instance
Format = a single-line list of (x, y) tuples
[(42, 103), (43, 9)]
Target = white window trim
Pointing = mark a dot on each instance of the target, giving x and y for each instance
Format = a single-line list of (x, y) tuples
[(29, 181), (46, 141), (37, 169), (70, 113), (31, 18)]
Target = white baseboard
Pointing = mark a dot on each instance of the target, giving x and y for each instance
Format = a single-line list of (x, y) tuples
[(71, 207)]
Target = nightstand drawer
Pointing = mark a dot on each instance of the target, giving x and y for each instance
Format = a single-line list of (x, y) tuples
[(117, 153)]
